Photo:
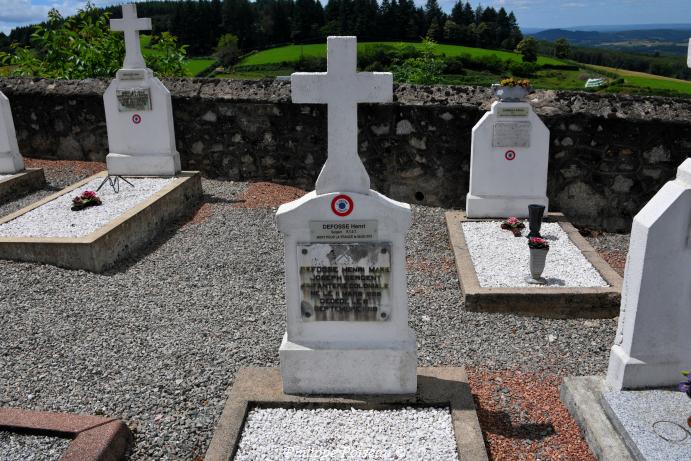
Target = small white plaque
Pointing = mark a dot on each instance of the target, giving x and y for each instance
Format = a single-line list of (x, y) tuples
[(133, 99), (511, 134), (336, 231), (505, 111), (126, 74)]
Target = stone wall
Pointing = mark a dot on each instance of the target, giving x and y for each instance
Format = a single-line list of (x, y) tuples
[(609, 154)]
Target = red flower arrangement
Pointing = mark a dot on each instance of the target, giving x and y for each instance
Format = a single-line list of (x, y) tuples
[(514, 225), (86, 200), (538, 243)]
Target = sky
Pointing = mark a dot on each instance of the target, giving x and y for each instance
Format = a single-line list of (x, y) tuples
[(530, 13)]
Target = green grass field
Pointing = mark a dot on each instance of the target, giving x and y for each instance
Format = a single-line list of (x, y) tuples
[(292, 53), (648, 83)]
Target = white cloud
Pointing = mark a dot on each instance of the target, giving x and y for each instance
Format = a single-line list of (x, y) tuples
[(15, 13)]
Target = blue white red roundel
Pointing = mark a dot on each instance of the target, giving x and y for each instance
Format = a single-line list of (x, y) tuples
[(342, 205)]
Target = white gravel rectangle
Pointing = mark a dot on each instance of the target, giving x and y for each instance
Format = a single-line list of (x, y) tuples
[(502, 260), (334, 434), (5, 176), (56, 219)]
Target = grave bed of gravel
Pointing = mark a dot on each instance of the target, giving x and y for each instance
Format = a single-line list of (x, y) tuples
[(157, 340), (502, 260), (57, 219), (294, 434), (5, 176)]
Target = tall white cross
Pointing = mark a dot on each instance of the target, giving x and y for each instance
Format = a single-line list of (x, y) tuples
[(341, 87), (130, 24), (688, 60)]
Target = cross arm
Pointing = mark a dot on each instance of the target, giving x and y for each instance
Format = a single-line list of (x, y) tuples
[(374, 87), (309, 87)]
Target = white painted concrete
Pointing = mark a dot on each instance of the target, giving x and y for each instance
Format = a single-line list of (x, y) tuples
[(10, 159), (652, 342), (342, 88), (357, 357), (508, 163), (141, 141)]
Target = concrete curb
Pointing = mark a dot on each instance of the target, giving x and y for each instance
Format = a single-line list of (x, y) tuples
[(263, 387), (22, 183), (99, 250), (596, 302), (93, 438), (582, 396)]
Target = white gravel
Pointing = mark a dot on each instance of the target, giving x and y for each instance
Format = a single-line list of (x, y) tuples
[(5, 176), (332, 434), (56, 219), (19, 447), (502, 260)]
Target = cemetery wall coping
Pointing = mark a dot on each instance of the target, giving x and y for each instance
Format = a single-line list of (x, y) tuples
[(609, 154)]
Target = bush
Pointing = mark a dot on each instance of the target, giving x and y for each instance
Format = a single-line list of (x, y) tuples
[(523, 69), (310, 64), (454, 65), (228, 49), (528, 48), (424, 70), (82, 46)]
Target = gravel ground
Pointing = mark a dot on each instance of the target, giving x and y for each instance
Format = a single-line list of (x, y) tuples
[(502, 260), (157, 340), (67, 223), (18, 447), (329, 434), (5, 176)]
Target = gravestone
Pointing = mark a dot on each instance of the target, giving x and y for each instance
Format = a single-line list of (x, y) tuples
[(347, 319), (652, 342), (10, 159), (508, 162), (139, 112)]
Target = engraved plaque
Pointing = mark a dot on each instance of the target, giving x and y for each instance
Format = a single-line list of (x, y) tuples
[(331, 231), (127, 74), (511, 134), (133, 99), (509, 111), (345, 281)]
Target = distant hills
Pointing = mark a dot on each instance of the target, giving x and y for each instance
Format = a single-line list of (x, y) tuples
[(671, 39)]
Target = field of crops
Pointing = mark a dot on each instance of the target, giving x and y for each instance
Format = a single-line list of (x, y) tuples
[(292, 53)]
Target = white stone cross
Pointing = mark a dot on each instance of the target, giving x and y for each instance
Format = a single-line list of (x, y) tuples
[(130, 24), (688, 60), (341, 87)]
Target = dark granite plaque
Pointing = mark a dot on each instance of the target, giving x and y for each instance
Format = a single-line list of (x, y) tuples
[(133, 99), (345, 281)]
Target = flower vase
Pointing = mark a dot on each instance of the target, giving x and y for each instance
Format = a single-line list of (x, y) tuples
[(510, 93), (538, 258)]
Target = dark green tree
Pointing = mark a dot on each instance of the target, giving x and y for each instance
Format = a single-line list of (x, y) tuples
[(528, 49), (562, 48)]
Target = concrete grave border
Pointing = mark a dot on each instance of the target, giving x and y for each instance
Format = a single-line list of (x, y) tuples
[(93, 438), (21, 183), (263, 388), (575, 302), (100, 249), (582, 396)]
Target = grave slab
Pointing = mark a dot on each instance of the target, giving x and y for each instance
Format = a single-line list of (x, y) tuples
[(551, 300), (263, 388), (109, 242), (93, 438), (582, 396), (652, 423), (15, 185)]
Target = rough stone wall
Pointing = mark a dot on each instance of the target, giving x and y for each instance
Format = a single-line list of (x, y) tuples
[(609, 154)]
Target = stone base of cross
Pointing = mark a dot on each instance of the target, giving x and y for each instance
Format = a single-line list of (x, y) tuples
[(341, 87)]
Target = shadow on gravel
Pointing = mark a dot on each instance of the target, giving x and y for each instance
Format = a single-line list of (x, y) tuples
[(499, 423)]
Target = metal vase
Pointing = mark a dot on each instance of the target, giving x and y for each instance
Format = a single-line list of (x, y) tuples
[(537, 262), (535, 213)]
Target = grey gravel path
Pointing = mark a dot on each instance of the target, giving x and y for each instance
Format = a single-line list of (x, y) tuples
[(19, 447), (157, 340)]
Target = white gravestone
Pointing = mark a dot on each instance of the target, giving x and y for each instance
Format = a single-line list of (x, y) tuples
[(347, 323), (139, 111), (508, 162), (10, 159), (652, 342)]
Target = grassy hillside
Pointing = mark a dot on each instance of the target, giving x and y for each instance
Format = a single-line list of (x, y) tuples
[(648, 83), (292, 53)]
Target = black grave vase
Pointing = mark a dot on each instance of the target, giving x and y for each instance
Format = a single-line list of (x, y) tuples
[(535, 213)]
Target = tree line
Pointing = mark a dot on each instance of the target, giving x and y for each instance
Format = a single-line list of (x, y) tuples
[(264, 23)]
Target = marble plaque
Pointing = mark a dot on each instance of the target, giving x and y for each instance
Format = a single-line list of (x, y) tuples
[(345, 281), (331, 231), (128, 74), (133, 99), (511, 134)]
